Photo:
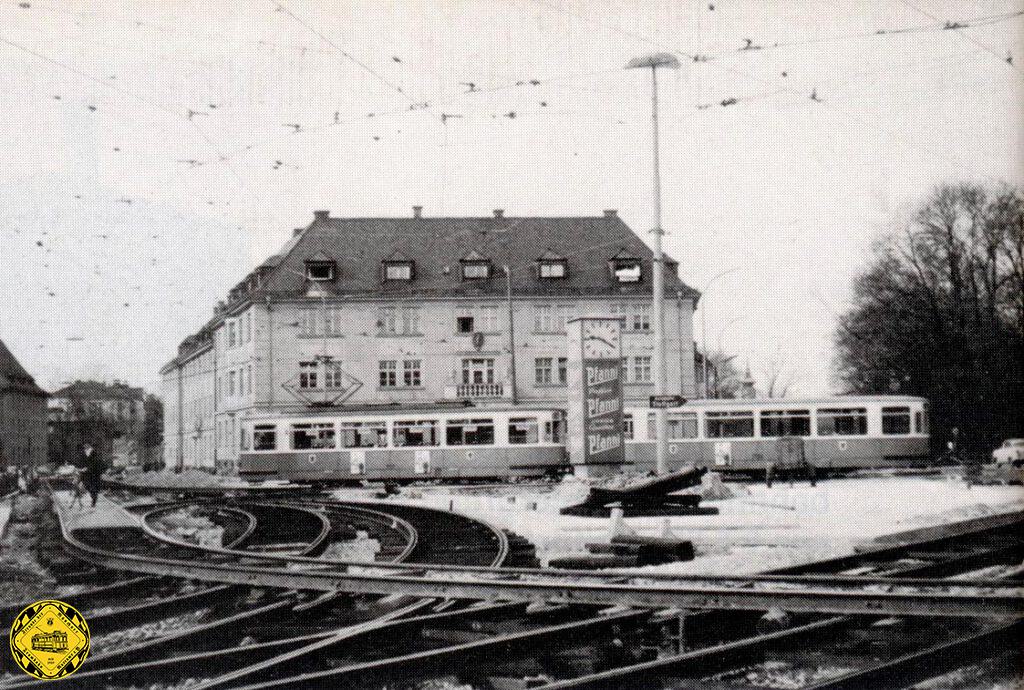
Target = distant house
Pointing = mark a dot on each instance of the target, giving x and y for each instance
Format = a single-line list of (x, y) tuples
[(107, 415), (22, 415)]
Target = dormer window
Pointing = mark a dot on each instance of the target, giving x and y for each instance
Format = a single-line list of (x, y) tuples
[(320, 268), (627, 271), (551, 266), (399, 270), (475, 266)]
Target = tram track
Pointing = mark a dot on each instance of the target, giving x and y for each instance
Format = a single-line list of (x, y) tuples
[(277, 655)]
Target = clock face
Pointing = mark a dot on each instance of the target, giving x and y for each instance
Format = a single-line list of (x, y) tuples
[(600, 339)]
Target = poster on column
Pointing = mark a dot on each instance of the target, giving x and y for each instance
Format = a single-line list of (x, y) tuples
[(595, 401)]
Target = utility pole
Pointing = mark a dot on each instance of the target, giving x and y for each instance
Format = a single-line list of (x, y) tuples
[(660, 382), (511, 334)]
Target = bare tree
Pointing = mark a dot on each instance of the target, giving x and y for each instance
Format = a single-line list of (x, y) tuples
[(778, 376), (939, 312)]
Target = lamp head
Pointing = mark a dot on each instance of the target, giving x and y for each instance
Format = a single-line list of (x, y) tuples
[(654, 60)]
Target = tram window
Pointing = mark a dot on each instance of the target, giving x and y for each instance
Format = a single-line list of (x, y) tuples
[(523, 430), (847, 421), (785, 423), (364, 435), (312, 436), (895, 421), (729, 424), (627, 427), (416, 434), (470, 432), (553, 431), (264, 437), (682, 426), (245, 439), (919, 427)]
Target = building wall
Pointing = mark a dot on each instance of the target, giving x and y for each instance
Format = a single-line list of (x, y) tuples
[(22, 429), (257, 354)]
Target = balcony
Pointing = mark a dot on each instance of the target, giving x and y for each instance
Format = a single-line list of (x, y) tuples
[(479, 390)]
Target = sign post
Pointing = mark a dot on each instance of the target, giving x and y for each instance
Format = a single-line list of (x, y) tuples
[(595, 396)]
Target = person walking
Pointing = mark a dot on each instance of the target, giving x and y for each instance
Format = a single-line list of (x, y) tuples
[(92, 476)]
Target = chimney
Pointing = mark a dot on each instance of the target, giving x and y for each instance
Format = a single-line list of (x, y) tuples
[(297, 231), (321, 215), (499, 213), (610, 213), (417, 211)]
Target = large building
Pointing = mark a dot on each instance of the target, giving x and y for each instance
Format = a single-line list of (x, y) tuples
[(413, 311), (22, 415), (110, 416)]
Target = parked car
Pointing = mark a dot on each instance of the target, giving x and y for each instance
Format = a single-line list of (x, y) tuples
[(1011, 452)]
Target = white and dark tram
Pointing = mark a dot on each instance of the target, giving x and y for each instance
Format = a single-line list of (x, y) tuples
[(837, 434)]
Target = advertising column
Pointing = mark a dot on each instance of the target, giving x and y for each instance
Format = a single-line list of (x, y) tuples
[(595, 440)]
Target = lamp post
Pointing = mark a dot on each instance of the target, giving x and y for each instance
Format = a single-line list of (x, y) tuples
[(703, 325), (661, 446)]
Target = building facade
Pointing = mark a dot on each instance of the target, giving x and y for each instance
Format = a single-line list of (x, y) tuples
[(22, 415), (110, 416), (415, 311)]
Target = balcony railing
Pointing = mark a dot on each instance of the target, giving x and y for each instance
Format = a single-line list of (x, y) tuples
[(480, 390)]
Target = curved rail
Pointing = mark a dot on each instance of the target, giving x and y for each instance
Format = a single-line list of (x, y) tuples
[(387, 520)]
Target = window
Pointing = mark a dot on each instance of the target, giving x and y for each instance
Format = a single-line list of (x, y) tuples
[(244, 438), (775, 423), (320, 271), (549, 318), (416, 434), (627, 427), (264, 437), (626, 270), (232, 334), (248, 327), (542, 370), (464, 324), (852, 421), (388, 373), (317, 436), (399, 321), (307, 375), (477, 370), (476, 270), (309, 323), (895, 421), (640, 318), (553, 430), (682, 425), (411, 375), (552, 269), (364, 435), (398, 270), (470, 432), (334, 376), (522, 430), (231, 382), (729, 424), (563, 370), (642, 369), (489, 319), (919, 423), (248, 378)]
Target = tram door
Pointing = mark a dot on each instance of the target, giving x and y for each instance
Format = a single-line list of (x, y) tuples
[(790, 453)]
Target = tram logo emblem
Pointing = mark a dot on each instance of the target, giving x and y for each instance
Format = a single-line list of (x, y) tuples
[(49, 639)]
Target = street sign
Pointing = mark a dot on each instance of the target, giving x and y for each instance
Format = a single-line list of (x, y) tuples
[(665, 401)]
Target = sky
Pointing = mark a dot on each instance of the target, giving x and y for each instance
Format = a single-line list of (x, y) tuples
[(156, 151)]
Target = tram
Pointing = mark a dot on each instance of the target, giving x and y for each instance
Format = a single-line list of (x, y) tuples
[(467, 443), (836, 434)]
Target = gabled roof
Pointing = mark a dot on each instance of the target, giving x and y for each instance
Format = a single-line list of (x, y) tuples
[(100, 390), (439, 245), (13, 376)]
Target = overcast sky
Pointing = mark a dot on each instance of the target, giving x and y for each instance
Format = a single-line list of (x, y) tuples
[(150, 162)]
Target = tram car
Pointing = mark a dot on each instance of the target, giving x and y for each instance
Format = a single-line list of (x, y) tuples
[(461, 444), (56, 641), (832, 435)]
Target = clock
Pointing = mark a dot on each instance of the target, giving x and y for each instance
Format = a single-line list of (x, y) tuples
[(601, 338)]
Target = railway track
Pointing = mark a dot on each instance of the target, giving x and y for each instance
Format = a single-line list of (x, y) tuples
[(408, 633)]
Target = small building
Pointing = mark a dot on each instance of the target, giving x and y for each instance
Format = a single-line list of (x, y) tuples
[(22, 415), (418, 311), (110, 416)]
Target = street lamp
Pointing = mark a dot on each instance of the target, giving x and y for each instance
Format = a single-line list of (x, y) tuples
[(655, 61)]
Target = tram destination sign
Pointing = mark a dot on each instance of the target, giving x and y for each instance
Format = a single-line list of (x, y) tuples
[(665, 401)]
